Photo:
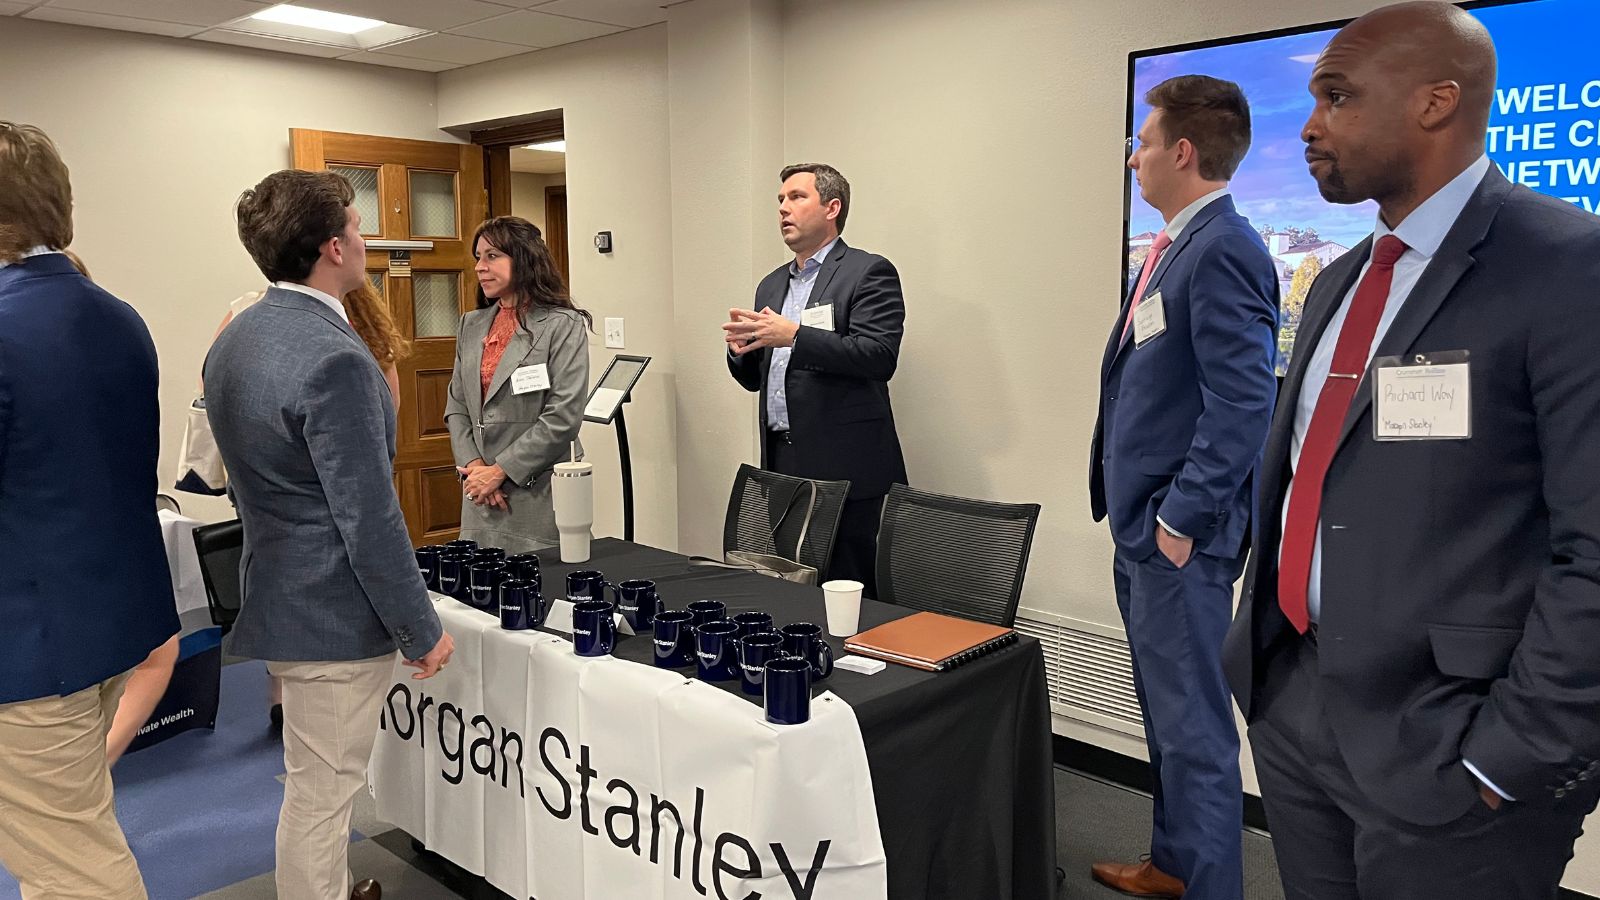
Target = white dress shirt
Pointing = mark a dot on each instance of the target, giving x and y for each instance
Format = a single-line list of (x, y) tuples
[(331, 302), (28, 253)]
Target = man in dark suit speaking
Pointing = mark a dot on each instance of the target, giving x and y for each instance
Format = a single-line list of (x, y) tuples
[(1186, 397), (1416, 645), (820, 351)]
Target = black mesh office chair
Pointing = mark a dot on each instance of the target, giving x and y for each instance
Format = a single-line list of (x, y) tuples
[(757, 522), (219, 547), (953, 555)]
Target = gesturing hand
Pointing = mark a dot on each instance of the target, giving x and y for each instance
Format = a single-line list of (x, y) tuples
[(747, 330)]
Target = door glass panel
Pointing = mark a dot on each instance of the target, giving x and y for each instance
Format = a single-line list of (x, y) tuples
[(365, 181), (436, 304), (433, 204)]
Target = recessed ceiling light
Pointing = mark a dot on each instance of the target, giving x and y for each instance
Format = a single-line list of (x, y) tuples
[(551, 146), (289, 14)]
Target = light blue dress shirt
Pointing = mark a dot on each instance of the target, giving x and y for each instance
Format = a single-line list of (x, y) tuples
[(801, 281), (1422, 232)]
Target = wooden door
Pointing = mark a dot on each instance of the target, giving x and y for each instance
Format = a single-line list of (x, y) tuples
[(431, 193), (555, 229)]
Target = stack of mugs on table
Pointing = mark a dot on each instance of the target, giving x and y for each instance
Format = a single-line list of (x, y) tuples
[(778, 664)]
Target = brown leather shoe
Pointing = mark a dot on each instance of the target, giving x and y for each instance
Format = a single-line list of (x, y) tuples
[(367, 889), (1140, 879)]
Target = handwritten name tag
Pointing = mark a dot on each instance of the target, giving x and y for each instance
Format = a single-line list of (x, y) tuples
[(1149, 319), (818, 317), (1422, 397)]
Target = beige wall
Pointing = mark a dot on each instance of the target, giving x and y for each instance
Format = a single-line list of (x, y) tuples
[(613, 94), (162, 136), (527, 194)]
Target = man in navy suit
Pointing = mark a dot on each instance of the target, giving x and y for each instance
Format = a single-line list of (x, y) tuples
[(84, 590), (1415, 650), (820, 345), (1186, 397)]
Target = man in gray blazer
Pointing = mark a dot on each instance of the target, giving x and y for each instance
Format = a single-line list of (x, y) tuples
[(306, 428)]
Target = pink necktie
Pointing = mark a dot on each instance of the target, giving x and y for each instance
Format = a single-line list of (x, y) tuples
[(1162, 242)]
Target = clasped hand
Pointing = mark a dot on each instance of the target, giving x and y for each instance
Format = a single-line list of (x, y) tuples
[(481, 484), (747, 330)]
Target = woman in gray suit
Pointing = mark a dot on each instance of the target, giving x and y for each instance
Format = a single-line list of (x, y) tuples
[(517, 392)]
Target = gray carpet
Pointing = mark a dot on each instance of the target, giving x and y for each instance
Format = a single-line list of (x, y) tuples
[(1094, 821), (1098, 821)]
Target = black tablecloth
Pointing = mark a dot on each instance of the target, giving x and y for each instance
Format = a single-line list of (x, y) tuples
[(960, 761)]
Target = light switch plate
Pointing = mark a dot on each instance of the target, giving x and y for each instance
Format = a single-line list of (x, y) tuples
[(614, 333)]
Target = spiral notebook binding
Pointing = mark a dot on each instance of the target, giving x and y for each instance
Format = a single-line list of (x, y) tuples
[(983, 649)]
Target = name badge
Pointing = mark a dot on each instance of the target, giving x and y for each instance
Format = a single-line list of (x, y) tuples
[(530, 378), (1149, 319), (1423, 397), (818, 317)]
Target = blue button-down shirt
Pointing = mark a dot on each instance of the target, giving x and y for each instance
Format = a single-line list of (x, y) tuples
[(801, 281), (1423, 232)]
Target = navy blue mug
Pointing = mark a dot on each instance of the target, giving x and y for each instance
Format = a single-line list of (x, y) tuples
[(469, 546), (594, 633), (708, 611), (525, 567), (428, 565), (755, 651), (484, 582), (752, 622), (638, 602), (805, 640), (674, 638), (522, 606), (716, 651), (489, 554), (786, 691), (586, 584), (453, 574)]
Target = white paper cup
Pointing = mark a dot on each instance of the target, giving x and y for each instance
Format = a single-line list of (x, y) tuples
[(843, 599)]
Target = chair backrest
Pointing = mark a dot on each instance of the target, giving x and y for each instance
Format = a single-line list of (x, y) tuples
[(757, 522), (953, 555), (219, 547)]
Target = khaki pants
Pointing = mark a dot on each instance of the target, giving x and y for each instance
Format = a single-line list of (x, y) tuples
[(330, 722), (59, 835)]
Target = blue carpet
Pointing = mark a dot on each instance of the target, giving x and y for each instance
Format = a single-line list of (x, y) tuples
[(201, 809)]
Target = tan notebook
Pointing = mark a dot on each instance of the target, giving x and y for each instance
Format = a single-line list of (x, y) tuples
[(930, 641)]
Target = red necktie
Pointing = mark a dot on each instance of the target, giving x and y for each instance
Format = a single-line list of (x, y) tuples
[(1327, 420), (1162, 242)]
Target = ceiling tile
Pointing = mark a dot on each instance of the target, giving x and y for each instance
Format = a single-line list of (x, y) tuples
[(539, 162), (453, 48), (259, 42), (120, 23), (183, 12), (536, 29), (627, 13), (399, 62), (434, 15)]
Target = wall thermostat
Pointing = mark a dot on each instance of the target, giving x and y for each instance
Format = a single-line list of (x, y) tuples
[(602, 242)]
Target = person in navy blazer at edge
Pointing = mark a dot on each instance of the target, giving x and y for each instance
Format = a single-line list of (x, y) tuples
[(820, 346), (1187, 388), (84, 590), (1417, 648)]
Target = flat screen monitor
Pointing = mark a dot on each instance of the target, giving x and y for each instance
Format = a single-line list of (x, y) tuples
[(1544, 132)]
